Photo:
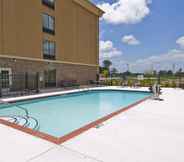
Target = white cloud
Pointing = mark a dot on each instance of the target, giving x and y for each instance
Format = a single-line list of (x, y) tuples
[(180, 41), (163, 61), (125, 11), (130, 40), (160, 62), (107, 50), (156, 62)]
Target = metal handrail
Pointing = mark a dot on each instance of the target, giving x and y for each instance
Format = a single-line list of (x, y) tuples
[(36, 127), (26, 118), (12, 117), (26, 123), (15, 117), (25, 110)]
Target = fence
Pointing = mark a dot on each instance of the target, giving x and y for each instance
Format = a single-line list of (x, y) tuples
[(18, 84), (177, 82)]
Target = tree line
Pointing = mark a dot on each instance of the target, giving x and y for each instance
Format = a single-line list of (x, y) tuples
[(107, 71)]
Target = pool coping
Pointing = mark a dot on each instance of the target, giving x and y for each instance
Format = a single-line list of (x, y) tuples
[(52, 94), (60, 140)]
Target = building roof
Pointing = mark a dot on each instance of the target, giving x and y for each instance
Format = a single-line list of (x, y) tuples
[(90, 7)]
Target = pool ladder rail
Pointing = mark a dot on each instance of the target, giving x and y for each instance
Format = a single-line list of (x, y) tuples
[(23, 120), (29, 118)]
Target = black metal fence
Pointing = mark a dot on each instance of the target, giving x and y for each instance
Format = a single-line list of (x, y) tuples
[(18, 84), (177, 82)]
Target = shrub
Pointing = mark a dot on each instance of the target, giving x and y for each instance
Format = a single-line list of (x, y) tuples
[(173, 84)]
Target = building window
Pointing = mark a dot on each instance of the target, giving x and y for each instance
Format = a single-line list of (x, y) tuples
[(48, 24), (49, 3), (5, 77), (50, 78), (49, 49)]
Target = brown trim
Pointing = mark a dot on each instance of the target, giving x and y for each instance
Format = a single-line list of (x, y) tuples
[(44, 60), (62, 139), (97, 122), (30, 131), (2, 25)]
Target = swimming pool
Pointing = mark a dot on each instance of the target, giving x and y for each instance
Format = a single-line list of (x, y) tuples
[(64, 115)]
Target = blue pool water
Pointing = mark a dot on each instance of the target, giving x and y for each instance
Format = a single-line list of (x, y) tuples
[(61, 115)]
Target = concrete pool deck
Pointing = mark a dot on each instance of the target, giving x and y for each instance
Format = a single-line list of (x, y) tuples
[(152, 131)]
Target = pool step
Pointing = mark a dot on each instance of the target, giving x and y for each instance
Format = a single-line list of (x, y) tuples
[(33, 123), (21, 120), (24, 121), (9, 119)]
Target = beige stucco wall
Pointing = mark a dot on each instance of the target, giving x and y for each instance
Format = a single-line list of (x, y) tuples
[(1, 38), (76, 30), (22, 28)]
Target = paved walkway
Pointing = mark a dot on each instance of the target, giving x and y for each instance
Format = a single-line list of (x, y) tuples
[(150, 132)]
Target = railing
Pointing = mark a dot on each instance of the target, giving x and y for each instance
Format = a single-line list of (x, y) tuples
[(18, 84), (146, 82), (36, 127), (18, 118), (24, 109), (29, 117)]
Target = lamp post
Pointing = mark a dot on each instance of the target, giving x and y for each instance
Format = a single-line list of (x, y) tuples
[(158, 78)]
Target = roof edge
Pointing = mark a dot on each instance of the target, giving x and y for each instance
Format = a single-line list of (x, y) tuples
[(90, 7)]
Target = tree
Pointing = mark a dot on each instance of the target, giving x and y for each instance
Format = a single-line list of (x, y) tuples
[(169, 72), (107, 64), (179, 72), (162, 72), (105, 73), (154, 73), (127, 73), (101, 69), (114, 71)]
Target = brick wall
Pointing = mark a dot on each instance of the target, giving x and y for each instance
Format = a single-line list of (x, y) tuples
[(81, 73)]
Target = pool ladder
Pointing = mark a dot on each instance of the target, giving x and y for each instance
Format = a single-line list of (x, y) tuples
[(29, 118), (24, 121)]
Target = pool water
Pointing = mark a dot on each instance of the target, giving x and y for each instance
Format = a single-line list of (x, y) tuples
[(60, 115)]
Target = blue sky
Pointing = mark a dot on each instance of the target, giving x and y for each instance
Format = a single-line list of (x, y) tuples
[(146, 34)]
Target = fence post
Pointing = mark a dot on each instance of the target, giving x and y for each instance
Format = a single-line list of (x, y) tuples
[(179, 77), (37, 82), (26, 80), (159, 79)]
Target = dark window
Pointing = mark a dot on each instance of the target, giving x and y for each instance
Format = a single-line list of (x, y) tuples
[(49, 49), (5, 78), (50, 78), (49, 3), (48, 24)]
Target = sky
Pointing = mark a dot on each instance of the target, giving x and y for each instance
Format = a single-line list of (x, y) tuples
[(142, 35)]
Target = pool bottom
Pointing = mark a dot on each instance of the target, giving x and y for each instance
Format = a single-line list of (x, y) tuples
[(73, 134)]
